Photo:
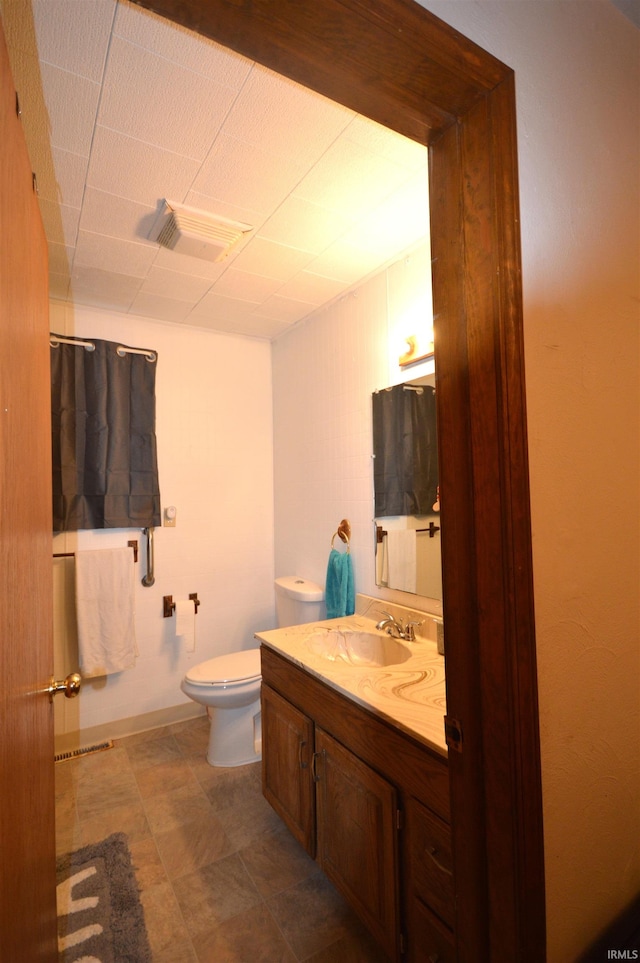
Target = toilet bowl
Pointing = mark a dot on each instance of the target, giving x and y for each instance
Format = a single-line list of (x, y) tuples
[(229, 686)]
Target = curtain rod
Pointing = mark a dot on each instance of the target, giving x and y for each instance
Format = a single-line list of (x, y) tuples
[(121, 350)]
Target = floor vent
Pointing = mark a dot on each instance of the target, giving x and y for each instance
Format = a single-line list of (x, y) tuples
[(99, 747)]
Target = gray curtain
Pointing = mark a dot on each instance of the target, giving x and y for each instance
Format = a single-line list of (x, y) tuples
[(105, 471), (405, 467)]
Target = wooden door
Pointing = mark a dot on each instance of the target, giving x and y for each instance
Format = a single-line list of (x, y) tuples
[(356, 812), (27, 831), (287, 739)]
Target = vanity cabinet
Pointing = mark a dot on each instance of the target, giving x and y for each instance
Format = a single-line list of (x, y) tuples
[(368, 802), (339, 809)]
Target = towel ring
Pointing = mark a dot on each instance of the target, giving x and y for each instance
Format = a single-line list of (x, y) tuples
[(344, 532)]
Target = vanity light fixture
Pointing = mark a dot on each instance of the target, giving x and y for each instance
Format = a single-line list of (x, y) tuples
[(413, 355)]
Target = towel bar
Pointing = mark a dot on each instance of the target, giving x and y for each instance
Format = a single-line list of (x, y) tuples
[(133, 543), (380, 532)]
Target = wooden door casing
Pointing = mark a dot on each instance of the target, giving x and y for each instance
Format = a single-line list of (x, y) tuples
[(399, 65), (27, 827)]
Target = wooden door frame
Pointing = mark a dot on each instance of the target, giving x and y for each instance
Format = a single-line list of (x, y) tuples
[(396, 63)]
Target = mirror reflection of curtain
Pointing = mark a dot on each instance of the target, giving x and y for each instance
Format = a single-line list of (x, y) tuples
[(405, 467), (105, 472)]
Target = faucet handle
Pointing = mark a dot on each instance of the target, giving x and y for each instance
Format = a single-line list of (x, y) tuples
[(410, 632)]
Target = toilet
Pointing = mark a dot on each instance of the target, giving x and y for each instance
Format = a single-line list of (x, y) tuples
[(229, 685)]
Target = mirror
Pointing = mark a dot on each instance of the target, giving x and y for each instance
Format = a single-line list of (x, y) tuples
[(406, 494)]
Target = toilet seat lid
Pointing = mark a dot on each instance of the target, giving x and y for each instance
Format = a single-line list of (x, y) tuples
[(235, 667)]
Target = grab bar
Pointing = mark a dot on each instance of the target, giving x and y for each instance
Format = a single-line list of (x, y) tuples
[(149, 578)]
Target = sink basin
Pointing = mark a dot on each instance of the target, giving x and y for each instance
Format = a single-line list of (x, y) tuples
[(358, 648)]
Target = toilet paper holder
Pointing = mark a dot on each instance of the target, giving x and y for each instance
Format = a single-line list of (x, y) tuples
[(169, 606)]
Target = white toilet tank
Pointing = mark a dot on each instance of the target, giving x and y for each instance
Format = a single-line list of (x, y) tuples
[(298, 600)]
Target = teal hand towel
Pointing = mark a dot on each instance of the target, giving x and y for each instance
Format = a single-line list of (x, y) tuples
[(340, 595)]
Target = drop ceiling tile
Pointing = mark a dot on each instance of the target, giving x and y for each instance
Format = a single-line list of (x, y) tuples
[(60, 222), (284, 118), (60, 259), (160, 102), (181, 46), (272, 260), (396, 224), (103, 289), (215, 308), (380, 140), (302, 224), (113, 254), (115, 216), (262, 168), (245, 286), (344, 262), (71, 105), (74, 36), (250, 326), (183, 264), (307, 286), (350, 179), (247, 176), (174, 285), (259, 327), (140, 172), (59, 286), (159, 308), (286, 309)]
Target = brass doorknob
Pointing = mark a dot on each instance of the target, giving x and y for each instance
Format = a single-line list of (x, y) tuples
[(70, 686)]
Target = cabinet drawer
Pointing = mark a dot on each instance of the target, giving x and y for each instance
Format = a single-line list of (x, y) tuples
[(431, 870), (430, 940)]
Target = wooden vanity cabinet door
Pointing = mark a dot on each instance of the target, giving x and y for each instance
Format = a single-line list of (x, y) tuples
[(357, 837), (287, 740)]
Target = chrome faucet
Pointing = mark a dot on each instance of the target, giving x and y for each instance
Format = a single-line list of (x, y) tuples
[(397, 629)]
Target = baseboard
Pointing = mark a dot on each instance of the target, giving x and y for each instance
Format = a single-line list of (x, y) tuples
[(70, 741)]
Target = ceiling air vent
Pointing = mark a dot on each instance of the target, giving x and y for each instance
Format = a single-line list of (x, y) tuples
[(196, 233)]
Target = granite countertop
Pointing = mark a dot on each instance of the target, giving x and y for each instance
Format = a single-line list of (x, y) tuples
[(410, 694)]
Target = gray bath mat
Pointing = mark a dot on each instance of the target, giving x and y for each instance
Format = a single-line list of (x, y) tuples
[(100, 916)]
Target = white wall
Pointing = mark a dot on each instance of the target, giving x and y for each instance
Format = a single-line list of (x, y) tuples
[(324, 372), (577, 83), (215, 460)]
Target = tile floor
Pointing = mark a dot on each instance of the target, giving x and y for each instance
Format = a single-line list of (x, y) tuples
[(221, 878)]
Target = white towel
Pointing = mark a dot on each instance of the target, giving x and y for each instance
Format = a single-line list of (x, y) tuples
[(382, 562), (186, 623), (401, 555), (105, 611)]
